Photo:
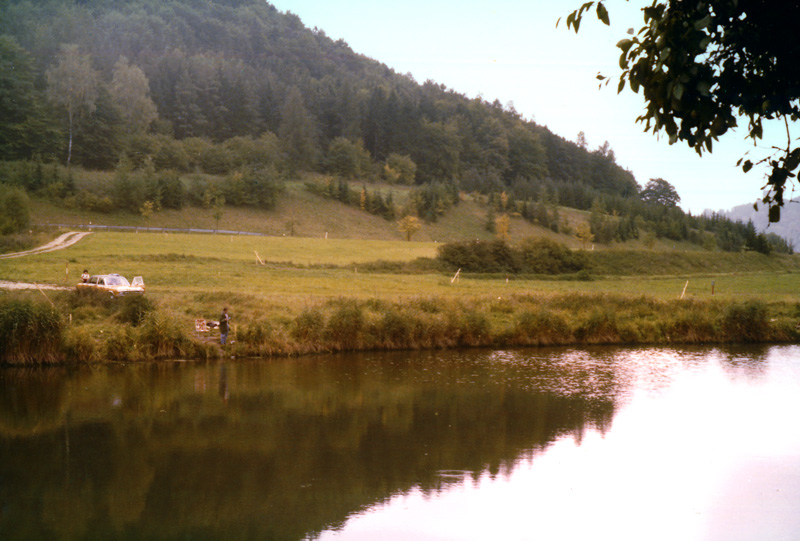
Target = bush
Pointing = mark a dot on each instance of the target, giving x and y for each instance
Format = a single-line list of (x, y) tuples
[(309, 326), (255, 332), (246, 151), (164, 337), (345, 325), (121, 345), (746, 322), (474, 328), (347, 158), (15, 213), (599, 327), (479, 256), (85, 299), (22, 241), (253, 187), (544, 256), (395, 329), (80, 345), (533, 256), (400, 168), (133, 309), (30, 332), (541, 328)]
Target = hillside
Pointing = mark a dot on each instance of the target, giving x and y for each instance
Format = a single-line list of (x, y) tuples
[(220, 70), (197, 104), (301, 213)]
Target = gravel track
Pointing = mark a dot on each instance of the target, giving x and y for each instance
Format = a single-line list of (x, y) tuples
[(63, 241)]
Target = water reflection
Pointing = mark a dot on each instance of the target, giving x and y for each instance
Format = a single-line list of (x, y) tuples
[(313, 447), (703, 445)]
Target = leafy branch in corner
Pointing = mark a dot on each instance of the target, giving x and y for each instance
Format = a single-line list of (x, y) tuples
[(702, 65)]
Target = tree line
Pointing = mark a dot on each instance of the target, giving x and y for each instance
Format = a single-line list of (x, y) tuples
[(92, 80), (235, 88)]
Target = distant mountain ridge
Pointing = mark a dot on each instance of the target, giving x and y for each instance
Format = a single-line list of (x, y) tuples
[(788, 227)]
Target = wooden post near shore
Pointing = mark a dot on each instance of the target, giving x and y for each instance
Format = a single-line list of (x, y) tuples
[(684, 289), (48, 298), (260, 261), (455, 278)]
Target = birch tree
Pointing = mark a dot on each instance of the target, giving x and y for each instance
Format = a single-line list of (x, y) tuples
[(72, 84)]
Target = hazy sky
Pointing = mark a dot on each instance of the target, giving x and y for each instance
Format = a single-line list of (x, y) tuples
[(511, 50)]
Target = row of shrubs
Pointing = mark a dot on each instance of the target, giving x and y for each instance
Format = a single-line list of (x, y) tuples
[(531, 256), (34, 332)]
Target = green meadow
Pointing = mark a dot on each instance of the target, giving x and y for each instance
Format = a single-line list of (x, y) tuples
[(303, 267), (301, 295)]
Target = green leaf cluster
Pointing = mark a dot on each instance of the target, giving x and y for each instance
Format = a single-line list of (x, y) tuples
[(703, 67)]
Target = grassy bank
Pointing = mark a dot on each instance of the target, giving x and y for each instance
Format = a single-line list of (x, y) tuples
[(314, 295), (87, 328)]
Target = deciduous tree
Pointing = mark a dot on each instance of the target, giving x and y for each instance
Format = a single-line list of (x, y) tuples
[(72, 84), (503, 227), (409, 225), (703, 65), (400, 168), (584, 234), (660, 192), (130, 90)]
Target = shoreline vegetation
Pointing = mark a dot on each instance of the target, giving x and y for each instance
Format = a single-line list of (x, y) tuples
[(135, 329), (405, 300)]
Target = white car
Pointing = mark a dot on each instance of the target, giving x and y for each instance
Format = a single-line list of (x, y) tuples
[(116, 285)]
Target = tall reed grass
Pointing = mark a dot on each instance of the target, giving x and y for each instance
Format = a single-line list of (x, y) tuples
[(30, 332)]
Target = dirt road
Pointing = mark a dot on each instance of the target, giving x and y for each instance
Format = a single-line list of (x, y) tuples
[(67, 239)]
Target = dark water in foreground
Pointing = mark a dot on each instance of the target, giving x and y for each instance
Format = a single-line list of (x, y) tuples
[(524, 444)]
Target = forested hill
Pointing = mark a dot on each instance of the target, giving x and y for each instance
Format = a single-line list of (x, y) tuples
[(240, 68)]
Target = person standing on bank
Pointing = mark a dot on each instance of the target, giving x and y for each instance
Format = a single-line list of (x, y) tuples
[(224, 324)]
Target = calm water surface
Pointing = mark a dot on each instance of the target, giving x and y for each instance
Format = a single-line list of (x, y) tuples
[(522, 444)]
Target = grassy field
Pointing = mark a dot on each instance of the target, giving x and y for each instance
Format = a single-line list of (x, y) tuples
[(302, 267), (314, 294)]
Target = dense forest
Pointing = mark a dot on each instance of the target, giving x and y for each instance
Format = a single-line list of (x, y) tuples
[(159, 89)]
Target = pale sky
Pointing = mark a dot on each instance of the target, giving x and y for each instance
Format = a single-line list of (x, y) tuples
[(511, 50)]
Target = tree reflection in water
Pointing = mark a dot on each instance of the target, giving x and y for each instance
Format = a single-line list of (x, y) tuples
[(280, 449)]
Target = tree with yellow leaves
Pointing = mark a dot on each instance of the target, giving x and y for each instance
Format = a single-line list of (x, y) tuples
[(502, 225), (584, 234), (409, 225)]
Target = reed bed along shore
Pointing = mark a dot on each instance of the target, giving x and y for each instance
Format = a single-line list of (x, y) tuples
[(84, 328)]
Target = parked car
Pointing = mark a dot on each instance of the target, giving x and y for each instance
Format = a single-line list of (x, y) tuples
[(114, 284)]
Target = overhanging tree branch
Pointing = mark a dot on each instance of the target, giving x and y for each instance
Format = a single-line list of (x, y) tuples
[(701, 65)]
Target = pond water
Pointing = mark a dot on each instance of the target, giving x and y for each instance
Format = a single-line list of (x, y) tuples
[(519, 444)]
